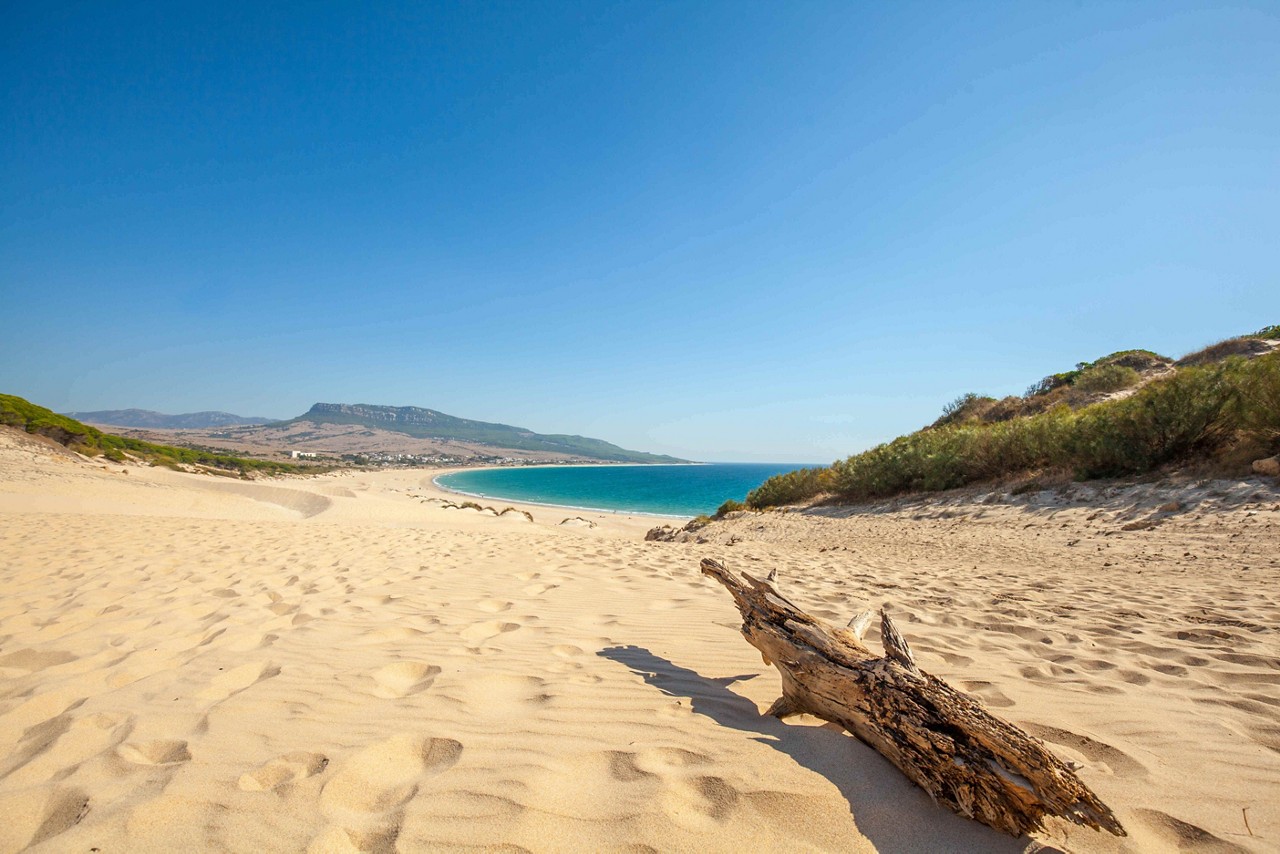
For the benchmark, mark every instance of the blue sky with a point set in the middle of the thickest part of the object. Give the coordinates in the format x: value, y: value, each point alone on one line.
x: 730, y: 231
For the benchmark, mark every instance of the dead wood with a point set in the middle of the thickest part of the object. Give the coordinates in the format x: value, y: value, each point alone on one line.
x: 942, y: 739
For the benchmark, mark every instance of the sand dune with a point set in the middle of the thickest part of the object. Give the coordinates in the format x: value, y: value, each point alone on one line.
x: 345, y: 664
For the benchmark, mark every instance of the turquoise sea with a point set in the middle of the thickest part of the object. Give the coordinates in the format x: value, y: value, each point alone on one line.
x: 686, y: 490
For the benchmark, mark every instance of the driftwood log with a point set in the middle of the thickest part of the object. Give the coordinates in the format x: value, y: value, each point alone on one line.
x: 942, y: 739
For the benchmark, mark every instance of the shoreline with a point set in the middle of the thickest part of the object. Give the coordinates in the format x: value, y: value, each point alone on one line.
x: 435, y: 480
x: 531, y: 503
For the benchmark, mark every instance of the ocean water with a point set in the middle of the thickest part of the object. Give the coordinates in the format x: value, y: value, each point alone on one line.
x: 659, y: 490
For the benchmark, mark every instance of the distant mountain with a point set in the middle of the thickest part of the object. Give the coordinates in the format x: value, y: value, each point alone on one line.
x: 146, y: 419
x: 428, y: 423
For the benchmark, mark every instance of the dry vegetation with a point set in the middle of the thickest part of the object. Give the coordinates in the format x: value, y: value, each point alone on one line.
x: 92, y: 442
x: 1219, y: 406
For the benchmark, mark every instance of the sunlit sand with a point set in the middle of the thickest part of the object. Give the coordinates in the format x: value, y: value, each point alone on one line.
x: 347, y: 663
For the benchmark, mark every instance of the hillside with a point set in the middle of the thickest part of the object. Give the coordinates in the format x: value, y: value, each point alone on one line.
x: 36, y: 420
x: 428, y: 423
x: 1128, y: 413
x: 146, y: 419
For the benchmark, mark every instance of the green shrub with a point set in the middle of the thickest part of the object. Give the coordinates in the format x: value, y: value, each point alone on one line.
x: 1051, y: 382
x: 789, y: 488
x: 1004, y: 409
x: 728, y: 507
x: 1260, y: 400
x: 966, y: 407
x: 1105, y: 379
x: 1195, y: 413
x: 1139, y: 360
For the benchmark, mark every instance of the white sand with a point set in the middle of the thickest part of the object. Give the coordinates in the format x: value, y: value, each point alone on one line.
x: 336, y: 664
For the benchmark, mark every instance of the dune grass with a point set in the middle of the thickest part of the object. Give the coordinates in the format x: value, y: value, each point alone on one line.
x: 90, y: 441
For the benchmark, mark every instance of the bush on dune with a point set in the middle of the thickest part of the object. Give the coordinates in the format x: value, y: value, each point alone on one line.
x: 1196, y: 413
x: 1260, y: 401
x: 730, y: 506
x: 1246, y: 345
x: 90, y: 441
x: 789, y: 488
x: 966, y: 407
x: 1106, y: 378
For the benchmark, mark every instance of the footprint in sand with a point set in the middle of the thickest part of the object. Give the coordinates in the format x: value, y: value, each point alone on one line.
x: 384, y: 775
x: 701, y: 803
x: 404, y: 678
x: 282, y: 770
x: 35, y: 814
x: 364, y: 799
x: 162, y: 752
x: 1179, y: 835
x: 237, y: 679
x: 31, y: 660
x: 391, y: 634
x: 71, y: 744
x: 624, y: 768
x: 480, y: 632
x: 494, y: 606
x: 253, y: 641
x: 664, y: 760
x: 954, y: 659
x: 503, y: 695
x: 989, y: 694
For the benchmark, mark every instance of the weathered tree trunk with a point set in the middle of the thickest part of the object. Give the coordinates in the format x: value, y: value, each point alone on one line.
x: 945, y: 741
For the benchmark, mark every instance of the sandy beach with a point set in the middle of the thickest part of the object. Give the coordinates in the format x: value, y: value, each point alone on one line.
x: 347, y: 663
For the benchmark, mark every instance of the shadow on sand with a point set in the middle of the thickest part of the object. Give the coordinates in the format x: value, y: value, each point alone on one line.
x: 890, y: 810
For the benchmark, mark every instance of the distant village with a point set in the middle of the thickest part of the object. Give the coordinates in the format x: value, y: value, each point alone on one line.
x: 386, y: 458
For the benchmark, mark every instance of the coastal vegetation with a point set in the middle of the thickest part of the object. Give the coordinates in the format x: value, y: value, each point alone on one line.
x: 90, y: 441
x: 730, y: 506
x: 1125, y: 414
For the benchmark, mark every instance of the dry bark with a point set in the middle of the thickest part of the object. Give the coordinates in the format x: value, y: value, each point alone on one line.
x: 942, y: 739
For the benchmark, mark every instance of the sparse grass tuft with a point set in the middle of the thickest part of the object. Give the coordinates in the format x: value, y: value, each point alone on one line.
x: 509, y: 509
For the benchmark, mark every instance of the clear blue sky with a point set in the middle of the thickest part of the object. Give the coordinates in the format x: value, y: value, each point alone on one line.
x: 726, y: 231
